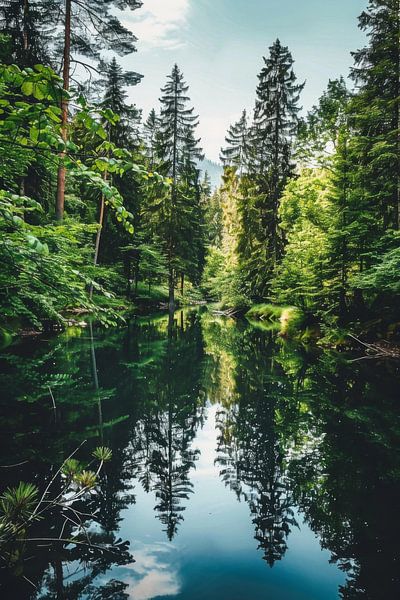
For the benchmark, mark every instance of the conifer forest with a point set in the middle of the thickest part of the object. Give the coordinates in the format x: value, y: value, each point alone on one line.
x: 199, y: 347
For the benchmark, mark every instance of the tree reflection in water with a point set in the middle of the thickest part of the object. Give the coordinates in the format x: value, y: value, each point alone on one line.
x: 297, y: 434
x: 319, y: 434
x: 164, y: 438
x: 250, y: 449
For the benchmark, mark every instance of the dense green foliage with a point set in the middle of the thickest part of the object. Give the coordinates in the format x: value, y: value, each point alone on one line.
x: 307, y: 213
x: 102, y: 209
x: 313, y: 203
x: 92, y: 204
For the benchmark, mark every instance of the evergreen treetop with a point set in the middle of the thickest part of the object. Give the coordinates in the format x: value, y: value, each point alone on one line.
x: 236, y: 149
x: 176, y: 120
x: 276, y: 110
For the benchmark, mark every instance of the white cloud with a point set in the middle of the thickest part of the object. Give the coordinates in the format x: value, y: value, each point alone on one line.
x: 158, y: 23
x: 153, y: 574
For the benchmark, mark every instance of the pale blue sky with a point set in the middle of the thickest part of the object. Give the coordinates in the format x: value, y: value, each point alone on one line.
x: 219, y: 45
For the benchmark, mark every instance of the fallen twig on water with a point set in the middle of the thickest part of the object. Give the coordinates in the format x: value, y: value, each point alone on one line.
x: 377, y: 350
x: 230, y: 312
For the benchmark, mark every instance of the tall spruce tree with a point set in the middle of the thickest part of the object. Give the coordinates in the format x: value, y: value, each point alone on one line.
x: 274, y: 129
x: 114, y: 83
x: 376, y: 110
x: 193, y: 232
x: 178, y: 151
x: 234, y: 154
x: 270, y: 166
x: 151, y: 135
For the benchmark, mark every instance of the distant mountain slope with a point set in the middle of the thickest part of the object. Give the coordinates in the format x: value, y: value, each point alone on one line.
x: 214, y: 170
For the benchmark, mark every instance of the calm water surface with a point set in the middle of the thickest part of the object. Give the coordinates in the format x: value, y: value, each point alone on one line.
x: 243, y: 468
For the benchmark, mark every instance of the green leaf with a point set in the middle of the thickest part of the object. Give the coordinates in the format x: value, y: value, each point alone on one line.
x: 27, y: 88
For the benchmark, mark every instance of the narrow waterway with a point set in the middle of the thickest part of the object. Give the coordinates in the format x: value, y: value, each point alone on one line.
x: 243, y: 467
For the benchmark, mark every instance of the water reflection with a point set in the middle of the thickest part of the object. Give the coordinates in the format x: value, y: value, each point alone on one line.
x: 153, y: 574
x: 162, y: 440
x: 293, y: 436
x: 254, y: 432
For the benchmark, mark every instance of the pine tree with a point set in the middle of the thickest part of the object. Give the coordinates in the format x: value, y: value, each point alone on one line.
x: 236, y: 150
x: 125, y: 132
x: 376, y: 110
x: 319, y: 132
x: 87, y: 29
x: 193, y: 231
x: 178, y: 151
x: 273, y: 132
x: 26, y: 22
x: 269, y: 166
x: 176, y: 120
x: 206, y: 185
x: 151, y: 135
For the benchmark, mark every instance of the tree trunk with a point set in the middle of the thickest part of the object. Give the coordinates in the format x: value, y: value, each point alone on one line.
x: 344, y: 249
x: 25, y: 28
x: 25, y: 38
x: 59, y: 578
x: 128, y: 276
x: 182, y: 283
x: 171, y: 324
x: 397, y: 219
x: 64, y: 112
x: 96, y: 382
x: 276, y: 185
x: 98, y: 235
x: 171, y: 288
x: 136, y: 282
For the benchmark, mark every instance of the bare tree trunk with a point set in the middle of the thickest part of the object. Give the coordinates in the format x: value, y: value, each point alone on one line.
x: 25, y: 29
x: 25, y: 38
x: 64, y: 112
x: 98, y: 235
x: 100, y: 229
x: 276, y: 184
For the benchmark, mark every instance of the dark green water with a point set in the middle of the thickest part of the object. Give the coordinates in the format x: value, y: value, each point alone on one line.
x: 242, y: 469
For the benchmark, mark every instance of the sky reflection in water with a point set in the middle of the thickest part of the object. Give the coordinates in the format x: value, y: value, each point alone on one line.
x: 243, y: 467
